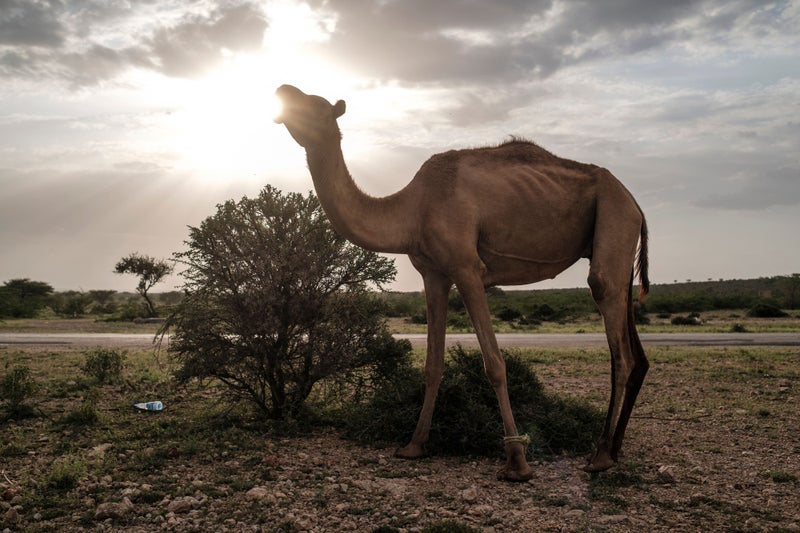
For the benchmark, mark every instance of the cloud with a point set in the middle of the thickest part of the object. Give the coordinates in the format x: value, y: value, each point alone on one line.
x: 30, y: 23
x: 442, y: 43
x: 84, y: 47
x: 778, y: 187
x: 197, y: 43
x: 461, y: 41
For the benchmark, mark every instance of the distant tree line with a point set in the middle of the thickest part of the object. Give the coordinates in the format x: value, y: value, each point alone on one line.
x: 529, y: 307
x: 24, y: 298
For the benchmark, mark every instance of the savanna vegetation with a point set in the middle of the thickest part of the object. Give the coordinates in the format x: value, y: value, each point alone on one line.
x: 712, y: 446
x: 720, y: 305
x: 278, y: 344
x: 23, y: 298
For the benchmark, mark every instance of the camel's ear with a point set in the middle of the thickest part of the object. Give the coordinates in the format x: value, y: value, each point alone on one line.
x: 338, y: 109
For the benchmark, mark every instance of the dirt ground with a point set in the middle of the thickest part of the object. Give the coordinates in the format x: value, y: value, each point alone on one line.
x: 713, y: 446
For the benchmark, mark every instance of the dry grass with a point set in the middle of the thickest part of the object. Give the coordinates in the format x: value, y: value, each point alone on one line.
x: 713, y: 446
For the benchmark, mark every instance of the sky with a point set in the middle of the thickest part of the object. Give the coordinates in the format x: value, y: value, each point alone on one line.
x: 122, y: 123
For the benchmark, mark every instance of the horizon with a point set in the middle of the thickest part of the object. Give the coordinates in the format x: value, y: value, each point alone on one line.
x: 505, y: 288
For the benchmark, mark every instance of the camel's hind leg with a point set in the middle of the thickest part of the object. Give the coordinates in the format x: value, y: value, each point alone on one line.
x: 612, y: 292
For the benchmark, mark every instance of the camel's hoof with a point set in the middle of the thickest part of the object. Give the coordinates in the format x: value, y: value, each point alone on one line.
x: 410, y: 451
x: 599, y: 462
x: 519, y: 475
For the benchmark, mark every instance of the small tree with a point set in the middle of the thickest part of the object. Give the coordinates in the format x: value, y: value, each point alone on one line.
x: 103, y: 301
x: 276, y: 301
x: 23, y: 298
x: 150, y: 272
x: 70, y: 304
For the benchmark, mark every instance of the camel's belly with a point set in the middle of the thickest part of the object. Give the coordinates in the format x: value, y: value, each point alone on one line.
x: 504, y: 269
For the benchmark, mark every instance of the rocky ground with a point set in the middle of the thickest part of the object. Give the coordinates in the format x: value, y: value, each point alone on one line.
x: 713, y: 447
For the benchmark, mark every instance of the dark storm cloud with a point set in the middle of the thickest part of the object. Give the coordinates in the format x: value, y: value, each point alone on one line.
x: 37, y: 43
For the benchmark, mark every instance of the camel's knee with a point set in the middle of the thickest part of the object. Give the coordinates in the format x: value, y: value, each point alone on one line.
x: 597, y: 285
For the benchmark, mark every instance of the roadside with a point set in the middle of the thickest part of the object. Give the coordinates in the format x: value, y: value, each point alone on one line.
x: 709, y: 322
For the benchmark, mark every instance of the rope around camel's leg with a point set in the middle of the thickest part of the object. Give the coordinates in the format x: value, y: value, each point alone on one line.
x: 517, y: 468
x: 525, y: 440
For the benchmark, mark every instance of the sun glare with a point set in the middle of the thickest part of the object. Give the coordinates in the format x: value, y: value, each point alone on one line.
x: 275, y: 107
x: 225, y: 119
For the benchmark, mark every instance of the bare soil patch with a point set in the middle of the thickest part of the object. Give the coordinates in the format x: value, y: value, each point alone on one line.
x: 713, y: 446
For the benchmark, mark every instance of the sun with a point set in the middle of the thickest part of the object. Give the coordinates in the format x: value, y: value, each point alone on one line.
x: 225, y: 119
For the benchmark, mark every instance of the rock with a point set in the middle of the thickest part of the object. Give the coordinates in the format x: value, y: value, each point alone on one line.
x: 470, y: 494
x: 11, y: 516
x: 575, y: 514
x: 182, y: 505
x: 395, y: 487
x: 610, y: 519
x: 113, y: 510
x: 260, y: 493
x: 99, y: 451
x: 364, y: 484
x: 481, y: 510
x: 9, y: 494
x: 666, y: 474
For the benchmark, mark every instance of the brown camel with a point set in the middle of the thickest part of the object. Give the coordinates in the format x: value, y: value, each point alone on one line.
x: 505, y: 215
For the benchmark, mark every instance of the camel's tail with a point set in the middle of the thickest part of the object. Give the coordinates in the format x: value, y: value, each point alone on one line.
x: 642, y: 262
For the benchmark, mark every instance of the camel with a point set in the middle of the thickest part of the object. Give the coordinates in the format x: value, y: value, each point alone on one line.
x: 504, y: 215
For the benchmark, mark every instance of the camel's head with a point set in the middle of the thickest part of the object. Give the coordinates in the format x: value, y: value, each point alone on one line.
x: 310, y: 119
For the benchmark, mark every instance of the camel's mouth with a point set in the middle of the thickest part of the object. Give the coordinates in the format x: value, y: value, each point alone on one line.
x: 276, y: 109
x: 285, y: 96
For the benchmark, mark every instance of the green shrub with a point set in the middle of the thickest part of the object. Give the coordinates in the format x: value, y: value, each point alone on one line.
x: 105, y: 365
x: 16, y: 389
x: 509, y: 314
x: 738, y: 328
x: 65, y: 473
x: 86, y: 413
x: 640, y: 314
x: 763, y: 310
x: 458, y: 321
x: 281, y: 307
x: 467, y: 417
x: 779, y: 476
x: 686, y: 321
x: 420, y: 316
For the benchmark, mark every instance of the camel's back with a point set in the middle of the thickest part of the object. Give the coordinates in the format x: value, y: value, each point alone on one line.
x: 520, y: 198
x: 526, y: 153
x: 515, y: 171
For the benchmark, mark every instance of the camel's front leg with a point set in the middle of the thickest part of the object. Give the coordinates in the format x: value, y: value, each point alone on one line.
x: 437, y: 290
x: 470, y: 286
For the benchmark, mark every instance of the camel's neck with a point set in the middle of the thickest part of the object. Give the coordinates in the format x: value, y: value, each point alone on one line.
x: 377, y: 224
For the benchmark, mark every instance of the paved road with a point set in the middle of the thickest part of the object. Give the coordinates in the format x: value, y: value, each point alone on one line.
x: 534, y: 340
x: 509, y: 340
